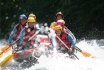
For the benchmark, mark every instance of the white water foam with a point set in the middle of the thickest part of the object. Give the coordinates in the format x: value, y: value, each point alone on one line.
x: 60, y: 63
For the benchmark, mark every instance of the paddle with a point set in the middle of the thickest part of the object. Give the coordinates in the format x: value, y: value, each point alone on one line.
x: 6, y: 48
x: 6, y: 60
x: 86, y: 54
x: 10, y: 57
x: 67, y: 47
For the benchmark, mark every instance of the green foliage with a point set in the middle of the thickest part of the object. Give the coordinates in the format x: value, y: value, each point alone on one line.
x: 81, y: 16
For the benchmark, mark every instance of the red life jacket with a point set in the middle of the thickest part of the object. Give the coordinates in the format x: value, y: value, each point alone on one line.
x: 64, y: 38
x: 19, y: 27
x: 29, y: 33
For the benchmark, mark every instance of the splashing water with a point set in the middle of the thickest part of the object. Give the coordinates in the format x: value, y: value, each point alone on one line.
x: 94, y: 47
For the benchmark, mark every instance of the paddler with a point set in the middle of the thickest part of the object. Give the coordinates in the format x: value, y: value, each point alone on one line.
x: 17, y: 29
x: 28, y: 32
x: 66, y: 38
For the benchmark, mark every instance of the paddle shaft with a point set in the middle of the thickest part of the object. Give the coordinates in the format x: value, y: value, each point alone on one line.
x: 63, y: 43
x: 67, y: 47
x: 10, y: 57
x: 83, y: 52
x: 6, y: 48
x: 68, y: 31
x: 34, y: 35
x: 28, y: 40
x: 78, y: 49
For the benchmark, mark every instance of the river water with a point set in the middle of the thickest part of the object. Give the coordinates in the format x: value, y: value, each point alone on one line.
x: 94, y: 47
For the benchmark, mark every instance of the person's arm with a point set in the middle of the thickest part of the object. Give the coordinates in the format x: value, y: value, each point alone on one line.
x: 12, y: 34
x: 53, y: 24
x: 71, y: 39
x: 22, y: 33
x: 37, y: 28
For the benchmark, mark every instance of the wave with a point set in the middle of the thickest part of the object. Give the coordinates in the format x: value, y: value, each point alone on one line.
x: 94, y: 47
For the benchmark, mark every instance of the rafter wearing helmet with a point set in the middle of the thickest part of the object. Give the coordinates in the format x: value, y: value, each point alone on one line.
x: 59, y: 15
x: 59, y: 20
x: 17, y: 29
x: 28, y: 31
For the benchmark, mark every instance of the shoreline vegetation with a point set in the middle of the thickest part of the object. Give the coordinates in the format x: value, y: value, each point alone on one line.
x: 84, y: 18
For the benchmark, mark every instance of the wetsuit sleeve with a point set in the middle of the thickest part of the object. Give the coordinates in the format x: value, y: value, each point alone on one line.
x: 37, y: 29
x: 22, y: 33
x: 71, y: 39
x: 12, y: 34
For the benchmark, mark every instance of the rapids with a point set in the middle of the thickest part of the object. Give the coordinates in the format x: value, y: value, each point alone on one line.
x: 94, y: 47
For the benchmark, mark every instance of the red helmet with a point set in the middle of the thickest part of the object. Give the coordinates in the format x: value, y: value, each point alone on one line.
x: 59, y: 13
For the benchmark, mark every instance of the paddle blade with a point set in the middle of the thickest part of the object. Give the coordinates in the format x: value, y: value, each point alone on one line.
x: 6, y: 60
x: 6, y: 48
x: 86, y: 54
x: 93, y: 57
x: 1, y: 54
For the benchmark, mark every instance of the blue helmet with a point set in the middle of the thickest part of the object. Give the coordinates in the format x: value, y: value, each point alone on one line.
x: 22, y: 16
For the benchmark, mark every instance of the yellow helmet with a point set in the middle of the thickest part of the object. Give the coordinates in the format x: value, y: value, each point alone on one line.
x: 53, y: 24
x: 58, y: 27
x: 32, y: 15
x: 31, y: 19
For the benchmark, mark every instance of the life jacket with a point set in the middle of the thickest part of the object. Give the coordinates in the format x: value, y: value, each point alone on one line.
x: 64, y: 38
x: 67, y: 31
x: 29, y: 33
x: 19, y: 27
